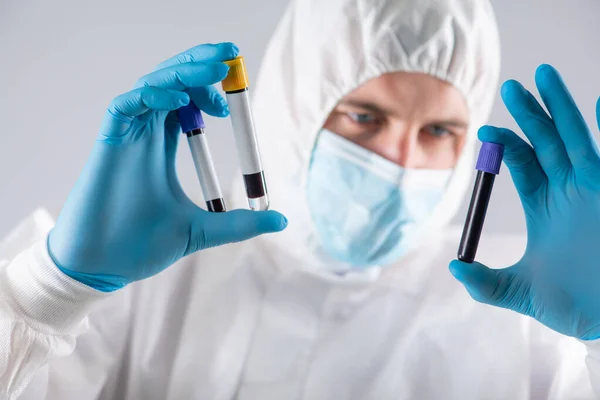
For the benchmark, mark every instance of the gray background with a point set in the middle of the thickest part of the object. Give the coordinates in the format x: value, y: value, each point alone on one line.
x: 62, y: 61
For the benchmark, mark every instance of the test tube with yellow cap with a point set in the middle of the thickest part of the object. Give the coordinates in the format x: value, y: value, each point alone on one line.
x: 236, y: 87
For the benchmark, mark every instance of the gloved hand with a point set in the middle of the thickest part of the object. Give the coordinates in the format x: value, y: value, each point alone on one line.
x: 127, y: 218
x: 557, y: 281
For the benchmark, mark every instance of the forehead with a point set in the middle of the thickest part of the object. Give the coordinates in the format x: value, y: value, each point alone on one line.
x: 402, y: 93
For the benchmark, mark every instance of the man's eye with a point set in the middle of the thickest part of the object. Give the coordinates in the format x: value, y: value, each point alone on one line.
x: 362, y: 118
x: 437, y: 131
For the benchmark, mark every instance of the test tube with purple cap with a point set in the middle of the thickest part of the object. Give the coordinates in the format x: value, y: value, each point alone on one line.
x: 192, y: 124
x: 488, y: 166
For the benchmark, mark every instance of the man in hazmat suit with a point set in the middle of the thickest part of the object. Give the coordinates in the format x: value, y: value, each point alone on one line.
x: 367, y: 113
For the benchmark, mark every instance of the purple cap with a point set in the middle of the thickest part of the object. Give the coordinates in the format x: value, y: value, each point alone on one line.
x: 190, y: 118
x: 490, y: 157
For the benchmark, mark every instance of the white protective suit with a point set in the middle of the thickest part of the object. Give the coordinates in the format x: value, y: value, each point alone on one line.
x: 263, y: 319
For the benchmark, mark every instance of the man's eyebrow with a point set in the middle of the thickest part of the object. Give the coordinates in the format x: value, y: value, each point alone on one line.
x: 365, y: 105
x: 456, y: 123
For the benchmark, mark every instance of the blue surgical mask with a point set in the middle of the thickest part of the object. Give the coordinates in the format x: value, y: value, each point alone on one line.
x: 368, y: 211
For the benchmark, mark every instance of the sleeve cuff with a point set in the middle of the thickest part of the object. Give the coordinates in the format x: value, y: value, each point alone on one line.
x: 593, y: 362
x: 41, y: 294
x: 593, y: 347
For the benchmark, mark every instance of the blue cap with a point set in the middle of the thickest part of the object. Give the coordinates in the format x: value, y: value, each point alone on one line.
x: 490, y: 157
x: 190, y: 118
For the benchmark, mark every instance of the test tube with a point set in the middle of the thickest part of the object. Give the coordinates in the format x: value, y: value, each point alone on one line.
x: 236, y: 87
x: 192, y: 125
x: 488, y: 166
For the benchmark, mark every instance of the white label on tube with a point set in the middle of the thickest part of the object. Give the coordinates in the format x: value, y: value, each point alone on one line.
x: 243, y: 131
x: 204, y: 167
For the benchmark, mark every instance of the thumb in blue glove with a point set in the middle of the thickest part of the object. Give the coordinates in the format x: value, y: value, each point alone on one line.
x: 557, y: 178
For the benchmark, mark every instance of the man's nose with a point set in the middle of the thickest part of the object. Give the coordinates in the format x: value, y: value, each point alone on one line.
x: 400, y: 147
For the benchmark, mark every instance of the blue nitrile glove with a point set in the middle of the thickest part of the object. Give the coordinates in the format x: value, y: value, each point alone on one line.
x: 127, y: 218
x: 557, y: 281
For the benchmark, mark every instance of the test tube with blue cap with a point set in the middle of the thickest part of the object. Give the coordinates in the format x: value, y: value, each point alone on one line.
x: 192, y: 124
x: 488, y: 166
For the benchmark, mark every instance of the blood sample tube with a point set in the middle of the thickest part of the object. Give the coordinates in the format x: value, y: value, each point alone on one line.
x: 488, y: 166
x: 192, y: 125
x: 236, y: 87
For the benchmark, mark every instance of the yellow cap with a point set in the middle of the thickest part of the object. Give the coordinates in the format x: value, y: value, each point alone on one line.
x: 237, y: 77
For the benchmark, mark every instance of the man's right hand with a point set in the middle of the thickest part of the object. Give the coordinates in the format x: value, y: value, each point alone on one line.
x: 127, y: 218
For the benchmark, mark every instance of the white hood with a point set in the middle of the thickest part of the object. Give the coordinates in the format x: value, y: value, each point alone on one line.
x: 324, y: 49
